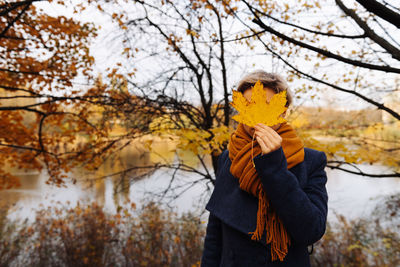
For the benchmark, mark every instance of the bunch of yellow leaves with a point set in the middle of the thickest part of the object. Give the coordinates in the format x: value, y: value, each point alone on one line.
x: 188, y: 136
x: 259, y: 110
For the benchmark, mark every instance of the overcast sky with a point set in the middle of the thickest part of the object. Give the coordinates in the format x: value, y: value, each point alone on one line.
x: 106, y: 50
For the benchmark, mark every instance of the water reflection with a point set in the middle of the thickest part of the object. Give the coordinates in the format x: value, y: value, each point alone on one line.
x: 108, y: 186
x: 349, y: 194
x: 356, y: 196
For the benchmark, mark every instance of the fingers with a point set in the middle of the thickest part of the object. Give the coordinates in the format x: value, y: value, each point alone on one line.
x: 269, y: 142
x: 263, y: 131
x: 269, y: 132
x: 267, y: 137
x: 264, y: 147
x: 261, y: 126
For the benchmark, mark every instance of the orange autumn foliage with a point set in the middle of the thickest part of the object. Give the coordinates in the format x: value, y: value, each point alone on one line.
x: 47, y: 120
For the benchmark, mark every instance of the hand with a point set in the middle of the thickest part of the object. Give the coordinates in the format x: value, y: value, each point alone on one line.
x: 268, y: 139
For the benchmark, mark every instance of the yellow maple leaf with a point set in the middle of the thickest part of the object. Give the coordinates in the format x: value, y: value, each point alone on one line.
x: 259, y: 110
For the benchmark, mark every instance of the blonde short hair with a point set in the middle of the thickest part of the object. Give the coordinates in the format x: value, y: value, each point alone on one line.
x: 273, y: 81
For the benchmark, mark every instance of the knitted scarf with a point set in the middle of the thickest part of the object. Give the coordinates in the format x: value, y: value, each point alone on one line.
x: 240, y: 147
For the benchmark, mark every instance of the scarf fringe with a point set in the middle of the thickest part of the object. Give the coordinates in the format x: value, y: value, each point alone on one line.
x: 280, y: 240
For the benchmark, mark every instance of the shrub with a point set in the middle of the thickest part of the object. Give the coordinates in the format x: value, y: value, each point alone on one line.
x: 12, y: 239
x: 372, y: 241
x: 87, y: 236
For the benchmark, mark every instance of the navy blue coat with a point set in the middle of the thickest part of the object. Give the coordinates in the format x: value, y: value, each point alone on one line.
x: 298, y: 196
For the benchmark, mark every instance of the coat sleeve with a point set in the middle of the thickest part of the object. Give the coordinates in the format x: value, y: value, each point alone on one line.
x: 303, y: 211
x: 213, y: 239
x: 212, y: 243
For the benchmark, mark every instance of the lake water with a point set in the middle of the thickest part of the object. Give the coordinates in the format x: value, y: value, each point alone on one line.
x: 349, y: 194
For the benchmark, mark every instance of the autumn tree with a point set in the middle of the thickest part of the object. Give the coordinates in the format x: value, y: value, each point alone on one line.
x: 179, y: 48
x: 49, y: 118
x: 350, y: 48
x: 187, y: 51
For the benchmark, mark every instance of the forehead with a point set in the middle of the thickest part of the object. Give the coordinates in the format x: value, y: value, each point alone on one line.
x: 269, y: 91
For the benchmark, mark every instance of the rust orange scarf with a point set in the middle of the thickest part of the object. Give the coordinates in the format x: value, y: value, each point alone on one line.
x: 240, y: 152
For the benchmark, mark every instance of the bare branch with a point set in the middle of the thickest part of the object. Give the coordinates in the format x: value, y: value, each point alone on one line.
x: 257, y: 20
x: 395, y: 52
x: 361, y: 173
x: 382, y: 11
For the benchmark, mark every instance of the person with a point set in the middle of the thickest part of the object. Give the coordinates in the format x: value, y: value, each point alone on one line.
x: 266, y: 210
